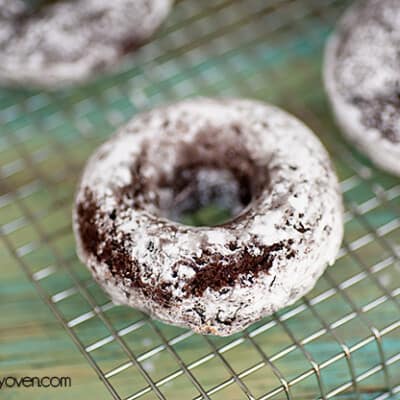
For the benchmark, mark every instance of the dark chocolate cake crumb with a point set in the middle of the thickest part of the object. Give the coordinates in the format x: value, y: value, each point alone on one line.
x: 266, y: 167
x: 382, y: 113
x: 218, y: 272
x: 105, y: 246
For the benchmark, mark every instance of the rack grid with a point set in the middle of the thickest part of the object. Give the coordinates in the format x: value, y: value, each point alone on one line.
x: 341, y: 341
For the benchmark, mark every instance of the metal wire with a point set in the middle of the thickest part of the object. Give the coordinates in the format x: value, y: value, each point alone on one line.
x: 264, y: 49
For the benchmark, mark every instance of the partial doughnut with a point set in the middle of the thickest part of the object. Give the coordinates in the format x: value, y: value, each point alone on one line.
x: 53, y: 43
x: 362, y: 79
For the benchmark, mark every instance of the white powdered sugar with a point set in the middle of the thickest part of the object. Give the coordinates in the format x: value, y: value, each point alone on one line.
x: 67, y: 41
x: 293, y: 228
x: 362, y: 78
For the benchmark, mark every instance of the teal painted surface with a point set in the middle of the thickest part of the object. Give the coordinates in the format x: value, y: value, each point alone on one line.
x: 45, y: 139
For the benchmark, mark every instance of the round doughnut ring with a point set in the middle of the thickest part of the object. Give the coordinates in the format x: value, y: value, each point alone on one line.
x: 51, y: 43
x: 257, y: 160
x: 362, y: 79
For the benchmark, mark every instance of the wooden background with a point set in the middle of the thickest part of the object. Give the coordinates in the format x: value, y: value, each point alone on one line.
x: 266, y: 50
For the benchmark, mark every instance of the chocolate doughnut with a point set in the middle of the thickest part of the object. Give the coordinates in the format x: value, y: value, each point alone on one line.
x: 362, y: 79
x: 262, y: 163
x: 51, y: 43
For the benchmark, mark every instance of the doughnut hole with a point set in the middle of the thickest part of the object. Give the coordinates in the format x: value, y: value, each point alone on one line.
x: 207, y: 196
x: 212, y: 182
x: 35, y: 6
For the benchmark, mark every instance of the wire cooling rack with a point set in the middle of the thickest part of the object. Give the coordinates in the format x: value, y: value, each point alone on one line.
x: 342, y: 341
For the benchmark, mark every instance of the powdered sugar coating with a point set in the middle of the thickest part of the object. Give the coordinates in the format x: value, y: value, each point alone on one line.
x: 66, y: 42
x: 294, y: 227
x: 362, y: 78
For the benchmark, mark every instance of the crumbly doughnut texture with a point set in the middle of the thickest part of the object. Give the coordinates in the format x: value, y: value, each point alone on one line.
x: 214, y: 280
x: 362, y: 78
x: 62, y: 42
